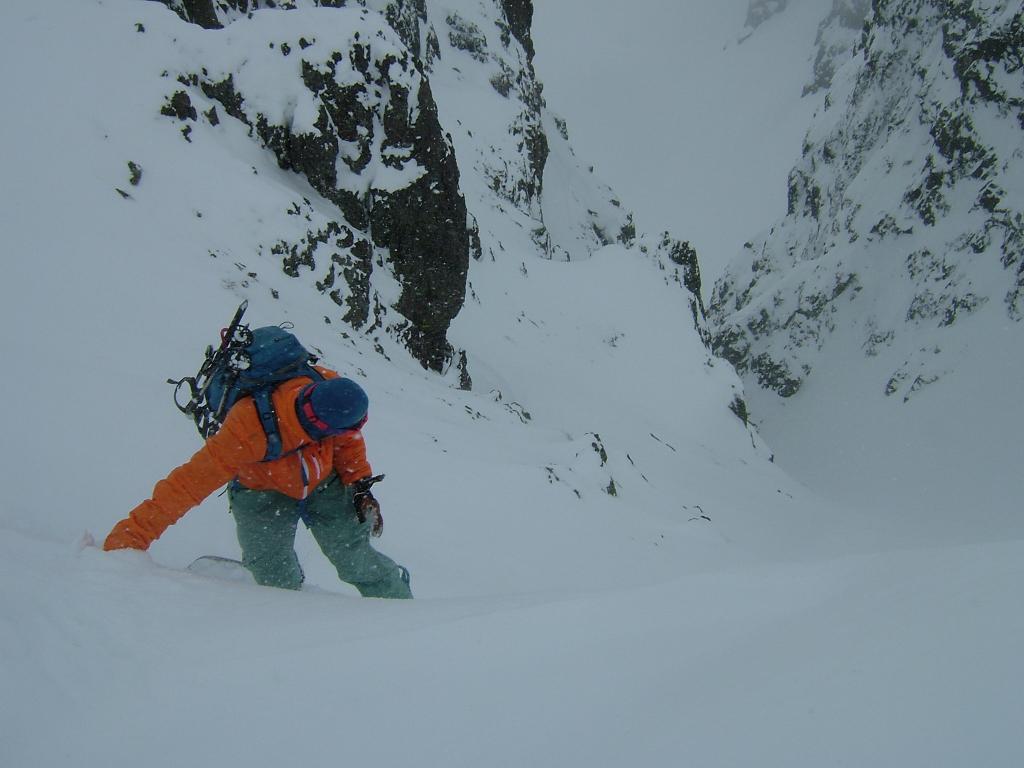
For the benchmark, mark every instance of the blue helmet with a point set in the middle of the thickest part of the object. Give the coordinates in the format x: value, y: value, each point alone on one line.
x: 331, y: 407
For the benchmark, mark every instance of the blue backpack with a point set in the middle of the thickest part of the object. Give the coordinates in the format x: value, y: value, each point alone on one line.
x: 247, y: 363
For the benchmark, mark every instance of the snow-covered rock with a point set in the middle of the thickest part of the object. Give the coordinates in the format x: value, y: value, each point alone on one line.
x: 519, y: 171
x: 399, y: 113
x: 906, y: 212
x: 339, y: 97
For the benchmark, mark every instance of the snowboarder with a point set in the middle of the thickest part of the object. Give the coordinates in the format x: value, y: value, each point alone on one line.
x: 322, y: 478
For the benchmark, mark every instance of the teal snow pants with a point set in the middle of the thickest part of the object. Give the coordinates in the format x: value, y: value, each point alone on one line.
x: 266, y: 522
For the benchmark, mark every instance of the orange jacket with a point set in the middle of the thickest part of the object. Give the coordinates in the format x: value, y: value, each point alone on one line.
x: 236, y: 452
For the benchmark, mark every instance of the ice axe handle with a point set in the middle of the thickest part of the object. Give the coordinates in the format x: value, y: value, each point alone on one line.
x: 364, y: 485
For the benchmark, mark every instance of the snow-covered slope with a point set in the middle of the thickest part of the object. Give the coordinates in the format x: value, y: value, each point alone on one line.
x: 886, y: 303
x: 131, y: 287
x: 888, y: 660
x: 608, y: 568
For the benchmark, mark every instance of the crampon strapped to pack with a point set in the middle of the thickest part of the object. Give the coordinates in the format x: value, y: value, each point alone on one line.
x: 248, y: 362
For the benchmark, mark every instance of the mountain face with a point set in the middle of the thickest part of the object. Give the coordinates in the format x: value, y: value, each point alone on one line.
x: 905, y: 213
x: 837, y: 35
x: 357, y: 118
x: 414, y: 110
x: 517, y: 163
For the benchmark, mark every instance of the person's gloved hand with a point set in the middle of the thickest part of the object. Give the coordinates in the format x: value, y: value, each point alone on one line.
x: 125, y: 535
x: 368, y: 508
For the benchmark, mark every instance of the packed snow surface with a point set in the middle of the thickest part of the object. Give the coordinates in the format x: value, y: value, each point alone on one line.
x: 712, y: 612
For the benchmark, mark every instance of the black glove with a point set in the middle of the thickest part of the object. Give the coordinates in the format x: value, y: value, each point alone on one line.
x: 367, y: 507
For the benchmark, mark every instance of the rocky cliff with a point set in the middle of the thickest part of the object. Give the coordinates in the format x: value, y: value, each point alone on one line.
x: 356, y: 117
x: 519, y: 170
x: 905, y: 213
x: 424, y: 129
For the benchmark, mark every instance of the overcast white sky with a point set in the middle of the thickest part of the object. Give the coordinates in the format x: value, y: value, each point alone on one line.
x: 696, y: 132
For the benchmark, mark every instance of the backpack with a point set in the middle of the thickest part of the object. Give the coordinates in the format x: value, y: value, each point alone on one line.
x: 248, y: 362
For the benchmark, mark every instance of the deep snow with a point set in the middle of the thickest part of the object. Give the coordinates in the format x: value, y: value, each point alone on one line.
x: 715, y: 612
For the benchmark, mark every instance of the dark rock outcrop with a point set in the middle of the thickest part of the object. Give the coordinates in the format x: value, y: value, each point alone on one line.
x: 375, y: 149
x: 683, y: 257
x: 519, y: 15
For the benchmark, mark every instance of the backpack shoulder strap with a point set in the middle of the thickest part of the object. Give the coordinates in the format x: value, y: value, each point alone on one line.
x: 268, y: 420
x: 264, y: 401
